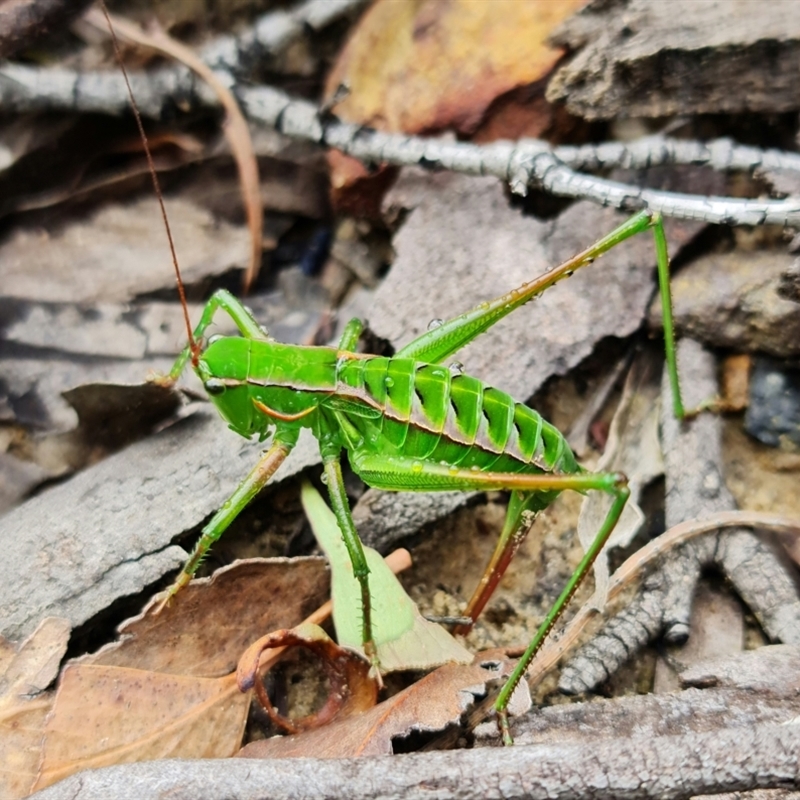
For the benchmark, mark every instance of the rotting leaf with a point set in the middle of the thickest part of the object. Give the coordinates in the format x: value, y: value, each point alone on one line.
x: 24, y: 675
x: 111, y: 715
x: 431, y: 704
x: 352, y: 690
x: 403, y: 637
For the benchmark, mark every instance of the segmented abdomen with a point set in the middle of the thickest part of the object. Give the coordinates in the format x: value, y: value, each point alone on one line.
x: 430, y: 413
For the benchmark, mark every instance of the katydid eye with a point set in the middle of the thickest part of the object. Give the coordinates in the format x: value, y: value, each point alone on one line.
x: 214, y: 386
x: 215, y: 338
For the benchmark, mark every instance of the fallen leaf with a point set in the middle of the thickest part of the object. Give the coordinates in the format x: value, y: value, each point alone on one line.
x: 167, y: 688
x: 208, y: 625
x: 236, y: 129
x: 112, y: 715
x: 403, y: 637
x: 351, y: 688
x: 428, y: 66
x: 24, y: 674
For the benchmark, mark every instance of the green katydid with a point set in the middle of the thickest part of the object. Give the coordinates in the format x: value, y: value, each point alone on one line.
x: 406, y: 422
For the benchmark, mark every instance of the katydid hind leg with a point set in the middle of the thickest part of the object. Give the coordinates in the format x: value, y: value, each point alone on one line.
x: 445, y: 340
x: 527, y: 489
x: 612, y: 517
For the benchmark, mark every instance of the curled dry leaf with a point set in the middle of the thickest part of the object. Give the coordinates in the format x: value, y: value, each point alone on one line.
x: 352, y: 690
x: 167, y: 688
x: 438, y: 700
x: 150, y: 695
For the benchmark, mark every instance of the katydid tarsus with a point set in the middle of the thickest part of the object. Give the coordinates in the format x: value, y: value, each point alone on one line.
x: 407, y: 423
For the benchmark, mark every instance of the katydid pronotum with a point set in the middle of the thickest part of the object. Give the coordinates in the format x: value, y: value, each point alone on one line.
x: 407, y: 423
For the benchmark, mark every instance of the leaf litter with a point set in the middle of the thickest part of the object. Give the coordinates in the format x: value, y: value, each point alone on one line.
x: 429, y: 294
x: 168, y: 687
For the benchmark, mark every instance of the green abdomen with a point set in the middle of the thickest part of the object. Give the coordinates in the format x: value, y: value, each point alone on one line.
x: 430, y: 413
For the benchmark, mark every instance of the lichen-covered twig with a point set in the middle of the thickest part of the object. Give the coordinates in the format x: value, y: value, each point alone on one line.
x: 25, y: 88
x: 523, y: 164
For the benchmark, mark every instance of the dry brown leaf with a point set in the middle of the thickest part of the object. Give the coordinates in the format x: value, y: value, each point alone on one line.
x: 426, y: 65
x: 213, y: 620
x: 151, y: 695
x: 24, y: 674
x: 107, y: 711
x: 111, y: 715
x: 434, y: 702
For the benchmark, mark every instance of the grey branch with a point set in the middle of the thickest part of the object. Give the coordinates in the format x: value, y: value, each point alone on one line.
x: 695, y: 488
x: 534, y: 163
x: 523, y: 164
x: 636, y: 768
x: 24, y: 88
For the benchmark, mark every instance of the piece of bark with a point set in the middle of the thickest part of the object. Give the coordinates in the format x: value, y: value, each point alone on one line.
x: 733, y: 300
x: 643, y: 58
x: 107, y: 533
x: 647, y: 767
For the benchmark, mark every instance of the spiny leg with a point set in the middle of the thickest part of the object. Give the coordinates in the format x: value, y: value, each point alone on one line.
x: 411, y: 474
x: 445, y: 340
x: 503, y: 699
x: 244, y: 493
x: 518, y: 521
x: 341, y: 509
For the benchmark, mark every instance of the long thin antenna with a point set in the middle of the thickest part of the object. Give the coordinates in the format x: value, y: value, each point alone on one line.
x: 193, y: 347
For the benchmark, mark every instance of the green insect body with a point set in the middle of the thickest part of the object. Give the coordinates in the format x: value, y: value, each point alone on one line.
x: 408, y: 423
